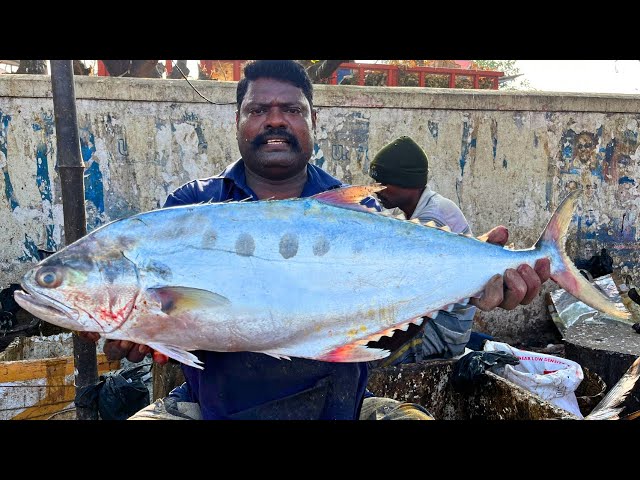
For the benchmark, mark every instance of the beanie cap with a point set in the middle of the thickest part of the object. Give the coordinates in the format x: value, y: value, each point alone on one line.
x: 401, y: 162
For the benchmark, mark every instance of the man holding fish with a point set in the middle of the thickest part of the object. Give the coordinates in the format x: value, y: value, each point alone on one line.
x: 276, y: 122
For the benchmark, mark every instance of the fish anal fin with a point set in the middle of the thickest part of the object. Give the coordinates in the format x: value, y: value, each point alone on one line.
x: 387, y: 332
x: 178, y: 354
x: 354, y: 353
x: 174, y: 299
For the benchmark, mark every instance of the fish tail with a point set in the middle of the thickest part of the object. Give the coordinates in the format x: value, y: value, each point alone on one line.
x: 563, y: 271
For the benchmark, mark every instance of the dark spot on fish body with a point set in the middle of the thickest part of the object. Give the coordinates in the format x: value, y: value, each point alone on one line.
x: 125, y: 242
x: 159, y: 269
x: 321, y: 246
x: 209, y: 239
x: 289, y: 245
x: 245, y: 245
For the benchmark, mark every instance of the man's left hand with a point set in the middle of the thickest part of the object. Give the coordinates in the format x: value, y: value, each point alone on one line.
x: 516, y: 286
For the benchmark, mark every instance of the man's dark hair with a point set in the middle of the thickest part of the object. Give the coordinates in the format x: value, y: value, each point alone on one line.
x: 285, y: 70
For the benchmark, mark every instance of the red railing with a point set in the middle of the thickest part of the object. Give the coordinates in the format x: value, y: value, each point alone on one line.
x: 370, y: 74
x: 421, y: 75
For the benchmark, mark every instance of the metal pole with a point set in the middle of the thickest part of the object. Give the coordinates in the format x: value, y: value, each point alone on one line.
x: 71, y: 172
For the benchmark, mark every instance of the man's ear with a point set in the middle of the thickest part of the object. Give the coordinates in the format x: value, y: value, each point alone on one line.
x: 237, y: 117
x: 314, y: 115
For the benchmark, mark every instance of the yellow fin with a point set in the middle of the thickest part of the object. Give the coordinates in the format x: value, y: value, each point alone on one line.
x: 174, y: 299
x: 433, y: 224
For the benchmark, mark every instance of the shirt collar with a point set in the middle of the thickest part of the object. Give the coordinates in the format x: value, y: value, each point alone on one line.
x: 317, y: 179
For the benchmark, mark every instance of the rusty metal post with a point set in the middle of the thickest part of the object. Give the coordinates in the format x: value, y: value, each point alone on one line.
x: 71, y: 172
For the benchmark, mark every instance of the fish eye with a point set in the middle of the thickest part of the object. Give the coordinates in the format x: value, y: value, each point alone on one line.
x: 49, y: 277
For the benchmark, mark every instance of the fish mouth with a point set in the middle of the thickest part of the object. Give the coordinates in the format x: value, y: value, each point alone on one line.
x: 44, y: 307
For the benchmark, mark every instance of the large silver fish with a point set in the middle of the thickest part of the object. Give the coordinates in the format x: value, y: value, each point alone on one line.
x: 315, y: 277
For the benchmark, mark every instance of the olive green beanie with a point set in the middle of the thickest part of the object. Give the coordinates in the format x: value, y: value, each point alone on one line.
x: 401, y: 162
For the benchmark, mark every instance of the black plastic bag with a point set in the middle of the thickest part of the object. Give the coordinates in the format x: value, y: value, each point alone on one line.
x: 119, y: 394
x: 469, y: 369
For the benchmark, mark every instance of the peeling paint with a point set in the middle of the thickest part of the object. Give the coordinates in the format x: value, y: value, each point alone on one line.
x: 494, y: 137
x: 433, y: 129
x: 318, y: 156
x: 8, y: 188
x: 93, y: 180
x: 43, y: 180
x: 464, y: 147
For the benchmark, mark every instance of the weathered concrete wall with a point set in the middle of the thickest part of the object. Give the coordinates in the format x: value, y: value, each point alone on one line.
x: 505, y: 158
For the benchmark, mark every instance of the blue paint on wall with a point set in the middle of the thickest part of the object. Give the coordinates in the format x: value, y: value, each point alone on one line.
x: 318, y: 156
x: 44, y: 187
x: 626, y: 179
x: 464, y: 147
x: 504, y: 162
x: 93, y: 183
x: 8, y: 187
x: 45, y: 123
x: 433, y: 128
x: 631, y: 136
x: 31, y: 251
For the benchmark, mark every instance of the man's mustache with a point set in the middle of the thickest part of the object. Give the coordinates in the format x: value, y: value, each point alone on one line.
x: 276, y: 133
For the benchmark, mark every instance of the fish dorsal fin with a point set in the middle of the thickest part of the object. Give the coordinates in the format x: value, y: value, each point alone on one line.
x: 433, y: 224
x: 175, y: 299
x: 349, y: 197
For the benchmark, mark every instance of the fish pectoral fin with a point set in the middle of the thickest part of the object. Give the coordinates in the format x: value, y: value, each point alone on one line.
x: 177, y: 354
x: 354, y: 352
x: 174, y: 299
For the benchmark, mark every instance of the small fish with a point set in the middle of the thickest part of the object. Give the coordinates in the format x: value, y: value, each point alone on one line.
x: 316, y: 277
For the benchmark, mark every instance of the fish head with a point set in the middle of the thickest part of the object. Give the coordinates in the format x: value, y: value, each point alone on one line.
x: 82, y: 288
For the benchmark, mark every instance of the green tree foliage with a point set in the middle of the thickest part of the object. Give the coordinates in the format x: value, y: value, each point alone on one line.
x: 512, y: 76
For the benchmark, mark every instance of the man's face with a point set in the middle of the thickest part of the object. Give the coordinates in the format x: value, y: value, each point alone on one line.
x: 275, y: 126
x: 394, y: 196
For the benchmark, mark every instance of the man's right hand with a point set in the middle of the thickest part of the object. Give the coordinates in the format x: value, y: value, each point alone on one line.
x: 118, y: 349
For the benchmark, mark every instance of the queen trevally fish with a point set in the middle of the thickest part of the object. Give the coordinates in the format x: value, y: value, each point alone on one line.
x: 315, y: 277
